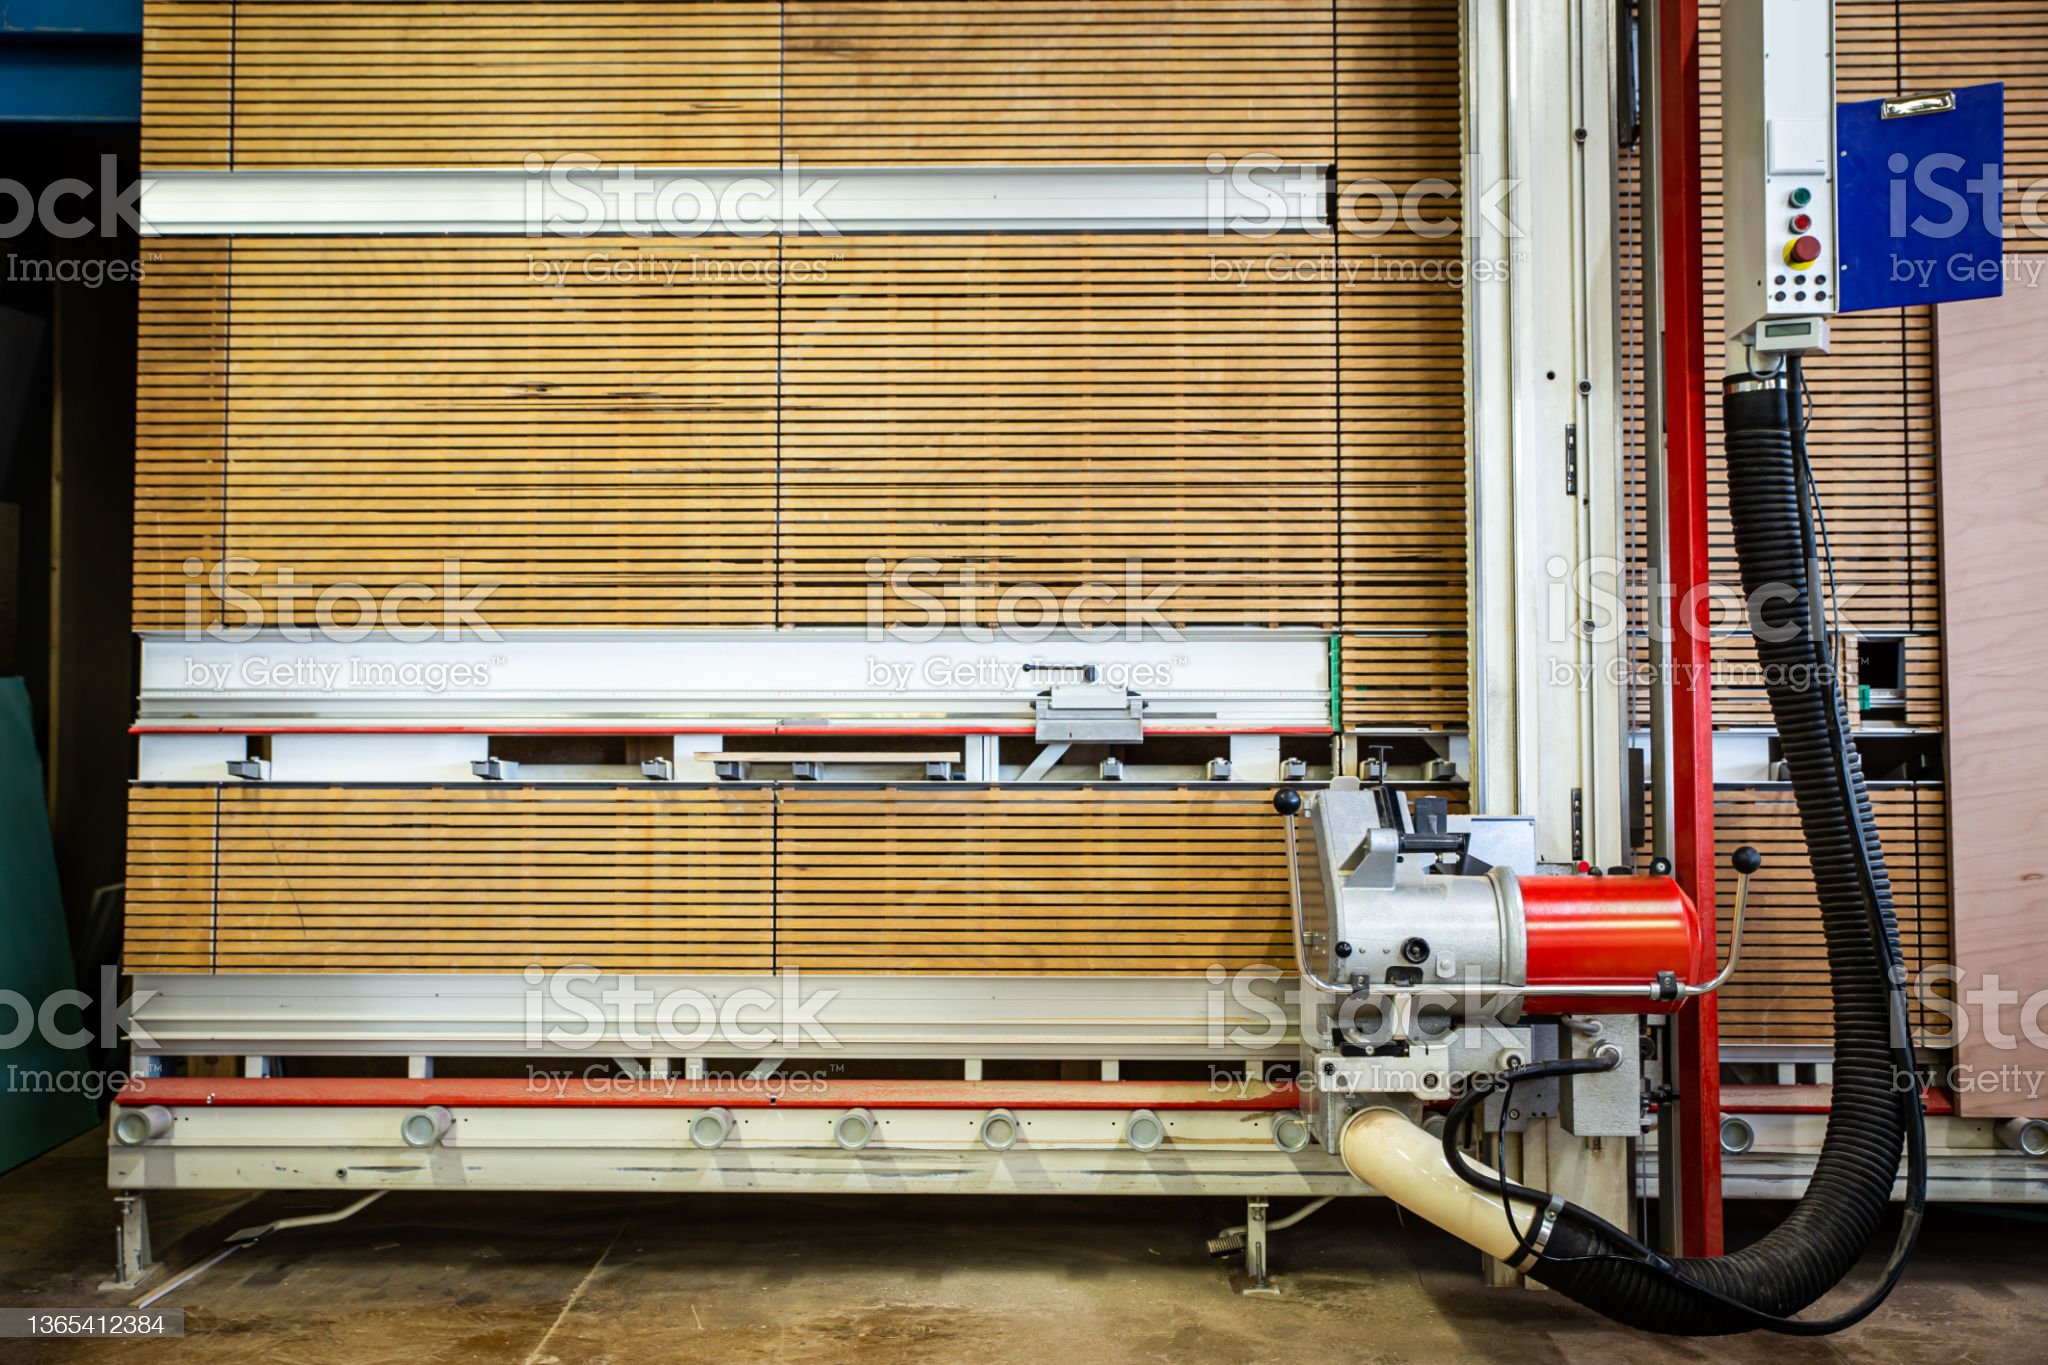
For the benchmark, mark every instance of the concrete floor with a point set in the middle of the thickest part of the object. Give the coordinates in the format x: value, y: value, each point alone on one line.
x: 552, y: 1278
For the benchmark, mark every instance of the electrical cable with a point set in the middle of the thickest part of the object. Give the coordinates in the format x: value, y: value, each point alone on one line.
x: 1820, y: 516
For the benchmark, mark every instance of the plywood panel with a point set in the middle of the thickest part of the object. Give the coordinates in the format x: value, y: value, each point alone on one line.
x: 400, y: 83
x: 1994, y: 513
x: 929, y: 82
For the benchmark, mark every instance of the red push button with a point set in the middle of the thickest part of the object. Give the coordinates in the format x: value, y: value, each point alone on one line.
x: 1804, y: 251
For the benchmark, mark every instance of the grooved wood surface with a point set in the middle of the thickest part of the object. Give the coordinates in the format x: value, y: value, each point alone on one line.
x: 411, y: 84
x: 603, y: 450
x: 933, y: 82
x: 249, y: 879
x: 1780, y: 993
x: 998, y: 881
x: 1044, y: 410
x: 1403, y: 503
x: 679, y: 879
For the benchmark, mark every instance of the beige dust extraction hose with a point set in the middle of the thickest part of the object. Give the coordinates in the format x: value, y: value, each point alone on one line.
x: 1406, y: 1164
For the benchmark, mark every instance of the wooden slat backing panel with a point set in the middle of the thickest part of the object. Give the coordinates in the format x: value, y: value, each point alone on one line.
x: 1403, y: 413
x: 1780, y: 994
x: 187, y: 87
x: 977, y: 882
x: 403, y: 83
x: 1400, y: 94
x: 1052, y: 411
x: 1944, y: 44
x: 1403, y: 516
x: 1263, y: 433
x: 448, y: 880
x: 1058, y: 411
x: 1401, y: 357
x: 1740, y: 700
x: 601, y: 448
x: 1148, y: 882
x: 180, y: 426
x: 932, y: 82
x: 1402, y: 681
x: 169, y: 903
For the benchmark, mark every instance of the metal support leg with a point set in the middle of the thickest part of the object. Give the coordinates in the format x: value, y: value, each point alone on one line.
x: 1256, y: 1266
x: 1043, y: 763
x: 132, y: 1264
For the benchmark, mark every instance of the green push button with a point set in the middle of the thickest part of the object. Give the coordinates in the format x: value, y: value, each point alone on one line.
x: 1801, y: 197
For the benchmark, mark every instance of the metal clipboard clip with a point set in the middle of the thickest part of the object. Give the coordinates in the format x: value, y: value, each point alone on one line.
x: 1907, y: 106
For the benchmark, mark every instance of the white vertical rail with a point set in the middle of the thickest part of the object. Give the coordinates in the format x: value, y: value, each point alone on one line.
x: 1601, y: 440
x: 1496, y: 740
x: 1548, y: 706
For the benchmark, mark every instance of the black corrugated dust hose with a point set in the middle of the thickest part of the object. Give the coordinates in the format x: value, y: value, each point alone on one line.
x: 1876, y: 1108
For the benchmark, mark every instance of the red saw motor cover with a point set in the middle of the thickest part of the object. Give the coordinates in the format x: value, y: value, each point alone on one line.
x: 1611, y: 930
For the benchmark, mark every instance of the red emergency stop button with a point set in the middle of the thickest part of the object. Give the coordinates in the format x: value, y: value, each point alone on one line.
x: 1802, y: 252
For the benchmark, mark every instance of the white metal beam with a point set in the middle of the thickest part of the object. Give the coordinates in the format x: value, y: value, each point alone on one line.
x: 564, y: 200
x: 483, y: 1014
x: 727, y: 682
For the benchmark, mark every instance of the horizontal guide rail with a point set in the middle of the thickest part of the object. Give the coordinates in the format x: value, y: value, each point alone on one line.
x: 616, y: 200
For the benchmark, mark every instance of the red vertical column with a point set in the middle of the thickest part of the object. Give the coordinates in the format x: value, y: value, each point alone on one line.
x: 1685, y: 455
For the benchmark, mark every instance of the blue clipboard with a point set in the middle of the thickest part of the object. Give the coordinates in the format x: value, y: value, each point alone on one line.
x: 1918, y: 199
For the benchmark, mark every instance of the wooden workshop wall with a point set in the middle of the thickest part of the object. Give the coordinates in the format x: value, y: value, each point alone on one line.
x: 1875, y: 457
x: 740, y: 432
x: 664, y: 878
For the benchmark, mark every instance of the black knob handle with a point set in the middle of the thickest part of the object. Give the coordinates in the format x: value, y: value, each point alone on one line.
x: 1746, y: 860
x: 1287, y: 801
